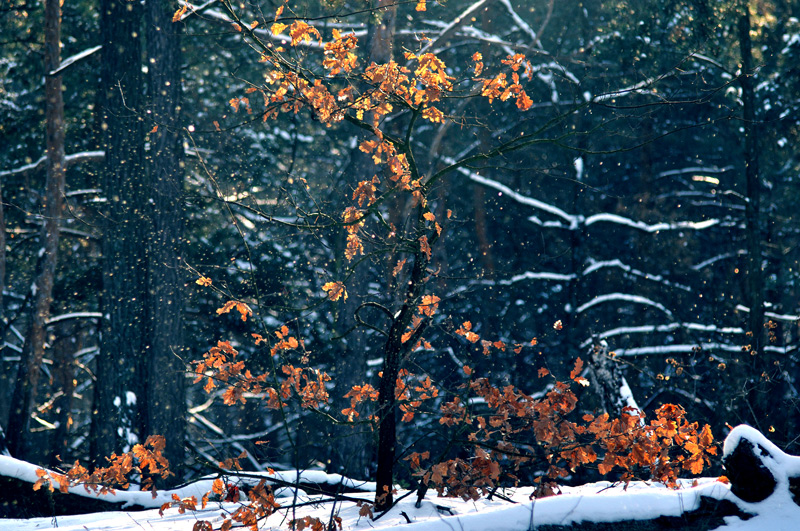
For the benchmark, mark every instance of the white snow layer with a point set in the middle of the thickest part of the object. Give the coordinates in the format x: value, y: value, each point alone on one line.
x: 595, y: 502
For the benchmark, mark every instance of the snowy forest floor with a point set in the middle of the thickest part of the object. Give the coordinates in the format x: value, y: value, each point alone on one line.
x: 757, y: 468
x: 576, y: 506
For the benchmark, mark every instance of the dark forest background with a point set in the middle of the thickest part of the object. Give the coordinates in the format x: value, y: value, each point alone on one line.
x: 656, y: 212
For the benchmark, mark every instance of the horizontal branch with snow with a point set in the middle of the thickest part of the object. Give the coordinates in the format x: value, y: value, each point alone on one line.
x: 636, y: 299
x: 69, y: 160
x: 69, y: 61
x: 687, y: 348
x: 664, y: 328
x: 617, y: 263
x: 575, y: 221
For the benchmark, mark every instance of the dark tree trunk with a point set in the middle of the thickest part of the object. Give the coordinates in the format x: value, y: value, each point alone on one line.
x: 6, y: 380
x: 68, y: 341
x: 393, y: 350
x: 352, y: 458
x: 120, y: 376
x: 2, y: 262
x: 755, y: 280
x: 166, y: 388
x: 22, y: 400
x: 765, y: 369
x: 482, y: 231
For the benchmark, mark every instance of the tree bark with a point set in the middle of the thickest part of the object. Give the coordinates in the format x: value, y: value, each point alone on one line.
x: 5, y: 379
x: 755, y: 280
x: 24, y: 395
x: 116, y: 420
x: 68, y: 341
x: 765, y: 369
x: 166, y: 387
x: 2, y: 262
x: 353, y: 457
x: 387, y: 402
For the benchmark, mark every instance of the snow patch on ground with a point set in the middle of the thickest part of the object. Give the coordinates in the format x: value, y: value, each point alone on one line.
x: 594, y: 502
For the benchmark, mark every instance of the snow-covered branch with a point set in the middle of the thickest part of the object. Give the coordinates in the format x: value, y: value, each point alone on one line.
x: 529, y: 275
x: 772, y: 315
x: 523, y: 199
x: 655, y: 227
x: 69, y: 160
x: 524, y: 26
x: 642, y: 87
x: 664, y: 328
x: 264, y: 33
x: 598, y: 265
x: 688, y: 348
x: 725, y: 256
x: 574, y: 221
x: 69, y: 61
x: 636, y: 299
x: 694, y: 170
x: 74, y: 315
x: 457, y: 22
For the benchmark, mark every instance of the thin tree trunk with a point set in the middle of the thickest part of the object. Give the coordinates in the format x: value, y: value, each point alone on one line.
x: 5, y: 379
x: 387, y: 402
x: 166, y: 388
x: 352, y: 457
x: 69, y: 341
x: 33, y: 351
x: 482, y: 231
x: 764, y: 369
x: 2, y: 262
x: 755, y: 280
x: 116, y: 421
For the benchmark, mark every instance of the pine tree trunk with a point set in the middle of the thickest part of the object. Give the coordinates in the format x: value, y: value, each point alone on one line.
x: 24, y: 395
x: 116, y: 420
x: 755, y: 280
x: 166, y: 388
x: 68, y: 341
x: 2, y: 264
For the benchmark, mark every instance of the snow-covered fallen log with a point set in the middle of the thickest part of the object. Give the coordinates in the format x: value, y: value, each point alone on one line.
x: 23, y: 475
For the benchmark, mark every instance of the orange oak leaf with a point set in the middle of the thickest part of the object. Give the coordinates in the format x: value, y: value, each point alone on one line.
x: 335, y: 290
x: 179, y: 13
x: 424, y: 246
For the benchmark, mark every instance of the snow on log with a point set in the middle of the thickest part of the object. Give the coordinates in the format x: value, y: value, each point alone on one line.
x: 756, y: 468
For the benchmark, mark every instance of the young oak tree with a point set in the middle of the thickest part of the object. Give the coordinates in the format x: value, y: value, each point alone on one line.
x: 400, y: 104
x: 391, y: 219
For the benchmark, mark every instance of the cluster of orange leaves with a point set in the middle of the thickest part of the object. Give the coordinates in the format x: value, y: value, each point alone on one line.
x: 335, y: 290
x: 426, y: 309
x: 313, y: 523
x: 291, y: 86
x: 465, y: 330
x: 411, y: 391
x: 260, y: 504
x: 145, y: 460
x: 522, y: 431
x: 243, y: 309
x: 499, y: 87
x: 353, y: 221
x: 221, y: 366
